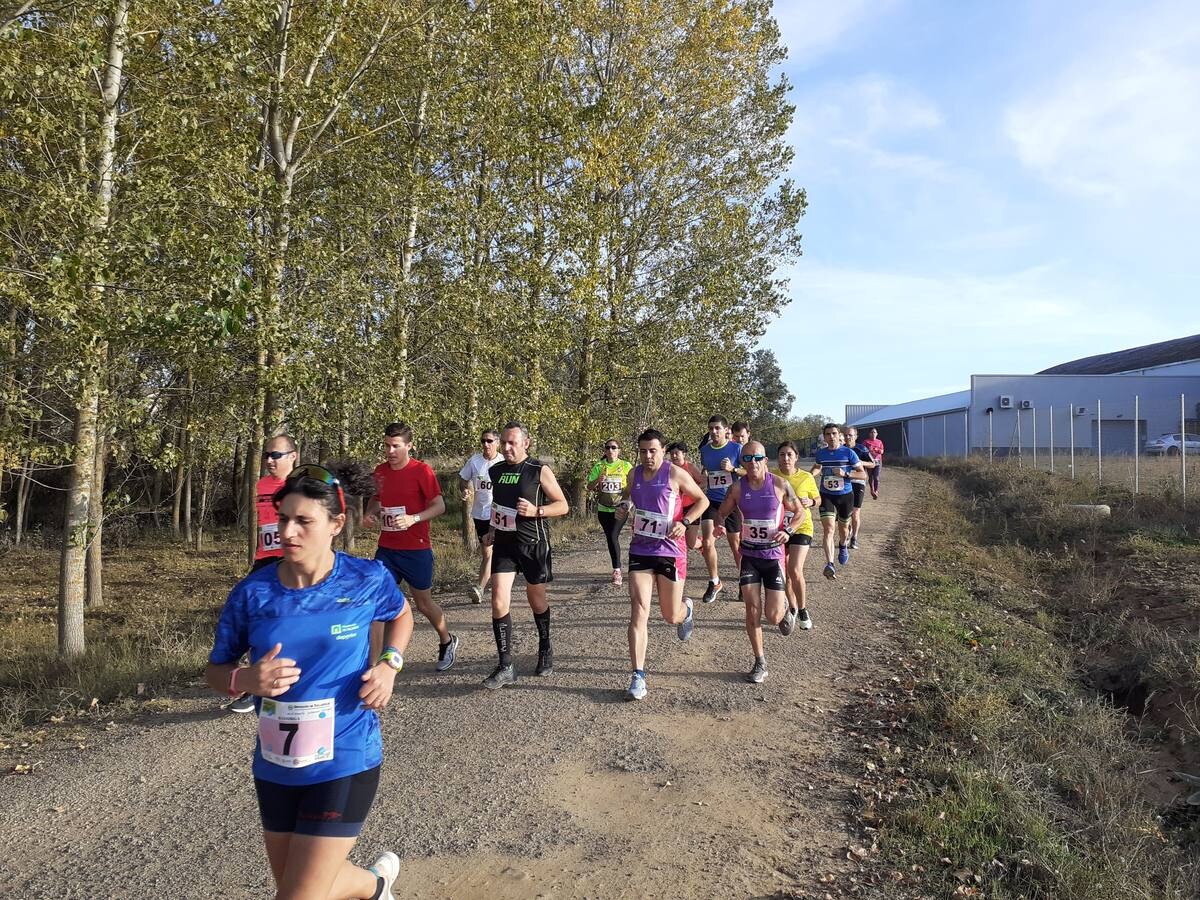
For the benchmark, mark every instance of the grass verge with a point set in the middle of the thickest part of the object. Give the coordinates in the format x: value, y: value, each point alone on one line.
x: 1033, y: 631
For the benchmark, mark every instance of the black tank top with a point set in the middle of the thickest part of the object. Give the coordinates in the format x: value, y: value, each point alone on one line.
x: 510, y: 483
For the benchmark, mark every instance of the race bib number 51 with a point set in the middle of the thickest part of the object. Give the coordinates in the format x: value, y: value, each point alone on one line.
x: 296, y: 734
x: 504, y: 518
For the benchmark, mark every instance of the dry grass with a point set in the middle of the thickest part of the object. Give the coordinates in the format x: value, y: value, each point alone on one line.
x: 155, y: 630
x: 1024, y: 770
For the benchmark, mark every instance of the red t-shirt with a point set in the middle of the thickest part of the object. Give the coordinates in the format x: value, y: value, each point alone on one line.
x: 406, y: 491
x: 875, y: 446
x: 268, y: 518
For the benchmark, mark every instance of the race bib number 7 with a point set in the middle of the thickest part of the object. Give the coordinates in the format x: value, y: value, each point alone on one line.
x: 268, y: 537
x: 296, y: 735
x: 504, y: 518
x: 717, y: 480
x: 651, y: 524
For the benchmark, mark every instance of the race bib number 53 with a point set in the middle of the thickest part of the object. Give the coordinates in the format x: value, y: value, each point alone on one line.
x: 296, y: 734
x: 833, y: 484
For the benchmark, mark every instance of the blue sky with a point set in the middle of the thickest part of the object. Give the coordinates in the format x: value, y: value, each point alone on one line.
x: 993, y: 188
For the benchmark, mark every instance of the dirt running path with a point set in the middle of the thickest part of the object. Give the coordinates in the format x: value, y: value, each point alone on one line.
x: 552, y: 788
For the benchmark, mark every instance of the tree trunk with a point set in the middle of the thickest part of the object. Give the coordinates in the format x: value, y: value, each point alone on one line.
x: 204, y: 482
x: 235, y: 478
x: 95, y: 548
x: 187, y: 498
x: 177, y: 484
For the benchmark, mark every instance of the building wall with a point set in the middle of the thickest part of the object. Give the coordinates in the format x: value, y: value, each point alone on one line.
x: 1018, y: 429
x: 943, y: 434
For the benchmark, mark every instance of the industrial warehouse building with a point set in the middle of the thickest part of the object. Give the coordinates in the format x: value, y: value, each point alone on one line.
x: 1114, y: 402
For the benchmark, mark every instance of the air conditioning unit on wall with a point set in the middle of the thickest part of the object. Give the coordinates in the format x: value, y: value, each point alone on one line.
x: 1006, y: 401
x: 1026, y: 404
x: 1081, y: 410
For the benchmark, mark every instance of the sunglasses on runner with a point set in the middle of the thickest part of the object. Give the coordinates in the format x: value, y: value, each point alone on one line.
x: 611, y: 447
x: 319, y: 473
x: 277, y: 454
x: 487, y: 440
x: 753, y: 457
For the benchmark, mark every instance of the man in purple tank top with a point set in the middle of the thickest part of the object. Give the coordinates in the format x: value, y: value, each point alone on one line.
x: 762, y: 498
x: 654, y: 493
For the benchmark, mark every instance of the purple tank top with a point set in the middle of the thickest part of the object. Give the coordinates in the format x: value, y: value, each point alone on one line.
x: 761, y: 514
x: 656, y: 509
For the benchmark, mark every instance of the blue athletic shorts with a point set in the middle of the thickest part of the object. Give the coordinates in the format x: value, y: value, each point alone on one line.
x: 413, y: 566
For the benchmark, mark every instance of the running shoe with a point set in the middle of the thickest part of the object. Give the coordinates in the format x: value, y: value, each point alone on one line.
x: 843, y: 555
x: 243, y: 704
x: 714, y: 588
x: 804, y: 621
x: 447, y: 653
x: 829, y: 571
x: 545, y: 663
x: 788, y: 622
x: 637, y: 687
x: 386, y: 867
x: 853, y: 543
x: 500, y: 677
x: 616, y: 579
x: 874, y: 495
x: 685, y: 628
x: 476, y: 594
x: 759, y: 673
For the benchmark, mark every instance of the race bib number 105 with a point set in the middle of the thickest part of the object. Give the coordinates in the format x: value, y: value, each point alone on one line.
x: 268, y: 537
x: 389, y: 517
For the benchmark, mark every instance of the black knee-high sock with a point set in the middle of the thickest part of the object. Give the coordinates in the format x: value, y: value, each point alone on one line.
x: 502, y: 630
x: 543, y: 627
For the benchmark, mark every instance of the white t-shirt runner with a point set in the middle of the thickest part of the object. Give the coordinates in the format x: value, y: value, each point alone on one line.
x: 475, y: 470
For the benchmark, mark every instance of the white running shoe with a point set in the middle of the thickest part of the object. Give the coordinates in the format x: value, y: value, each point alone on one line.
x: 387, y: 867
x: 804, y: 621
x: 476, y: 593
x: 637, y: 687
x: 687, y: 626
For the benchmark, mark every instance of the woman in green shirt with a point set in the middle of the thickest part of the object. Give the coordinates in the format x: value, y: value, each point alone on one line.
x: 607, y: 479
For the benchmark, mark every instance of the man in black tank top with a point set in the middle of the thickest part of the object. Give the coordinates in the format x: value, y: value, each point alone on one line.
x: 525, y: 494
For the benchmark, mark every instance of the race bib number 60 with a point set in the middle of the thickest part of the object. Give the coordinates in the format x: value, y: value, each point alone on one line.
x: 296, y: 734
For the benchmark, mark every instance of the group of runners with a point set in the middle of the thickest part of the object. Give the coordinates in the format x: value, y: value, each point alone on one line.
x: 311, y: 639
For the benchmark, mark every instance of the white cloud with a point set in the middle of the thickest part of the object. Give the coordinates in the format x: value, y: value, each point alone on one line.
x: 1121, y: 119
x: 812, y: 28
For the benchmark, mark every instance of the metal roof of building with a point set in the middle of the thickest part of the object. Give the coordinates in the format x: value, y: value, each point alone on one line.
x: 914, y: 409
x: 1160, y: 354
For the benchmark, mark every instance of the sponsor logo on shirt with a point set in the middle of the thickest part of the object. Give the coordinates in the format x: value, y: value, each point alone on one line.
x: 347, y: 632
x: 510, y: 477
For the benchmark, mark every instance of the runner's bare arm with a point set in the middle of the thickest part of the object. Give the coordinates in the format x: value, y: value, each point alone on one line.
x: 557, y: 505
x: 621, y: 513
x: 727, y: 506
x: 685, y: 484
x: 465, y: 486
x: 379, y: 677
x: 435, y: 508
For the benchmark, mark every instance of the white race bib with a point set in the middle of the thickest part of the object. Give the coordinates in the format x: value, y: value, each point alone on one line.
x: 268, y: 537
x: 788, y: 517
x: 759, y: 531
x: 504, y: 518
x: 483, y: 483
x: 833, y: 484
x: 651, y: 524
x: 717, y: 480
x: 389, y: 516
x: 296, y: 734
x: 611, y: 484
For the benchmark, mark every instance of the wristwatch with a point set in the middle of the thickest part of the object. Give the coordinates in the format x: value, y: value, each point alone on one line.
x: 393, y: 657
x: 687, y: 523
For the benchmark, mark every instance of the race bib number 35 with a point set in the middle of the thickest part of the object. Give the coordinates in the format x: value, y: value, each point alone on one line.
x: 389, y: 517
x: 717, y: 480
x: 504, y: 518
x: 268, y: 537
x: 651, y: 524
x: 759, y: 531
x: 296, y: 734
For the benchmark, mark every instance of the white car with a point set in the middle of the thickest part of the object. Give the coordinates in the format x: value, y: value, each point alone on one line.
x: 1169, y: 444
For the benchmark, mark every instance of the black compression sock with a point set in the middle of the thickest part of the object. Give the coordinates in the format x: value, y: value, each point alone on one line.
x: 502, y: 631
x: 543, y: 626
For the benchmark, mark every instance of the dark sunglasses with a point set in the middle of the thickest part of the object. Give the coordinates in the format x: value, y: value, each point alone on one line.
x: 753, y: 457
x: 319, y: 473
x: 611, y: 447
x: 277, y: 454
x: 487, y: 440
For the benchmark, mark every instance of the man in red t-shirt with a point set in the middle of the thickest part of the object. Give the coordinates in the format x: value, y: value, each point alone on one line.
x: 280, y: 458
x: 407, y: 496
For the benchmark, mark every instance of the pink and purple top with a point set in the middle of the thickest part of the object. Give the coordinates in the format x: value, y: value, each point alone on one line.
x: 761, y: 514
x: 656, y: 509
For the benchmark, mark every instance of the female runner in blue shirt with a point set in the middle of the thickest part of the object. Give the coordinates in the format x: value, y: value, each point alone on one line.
x: 307, y: 625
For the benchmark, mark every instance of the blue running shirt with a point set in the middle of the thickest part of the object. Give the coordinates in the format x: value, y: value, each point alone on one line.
x: 326, y: 629
x: 843, y: 456
x: 716, y: 481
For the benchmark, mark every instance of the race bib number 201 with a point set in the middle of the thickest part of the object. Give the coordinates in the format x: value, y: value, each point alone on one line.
x: 296, y: 735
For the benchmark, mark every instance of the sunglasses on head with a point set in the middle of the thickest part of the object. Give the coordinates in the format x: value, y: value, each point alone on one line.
x: 277, y: 454
x: 319, y: 473
x: 753, y: 457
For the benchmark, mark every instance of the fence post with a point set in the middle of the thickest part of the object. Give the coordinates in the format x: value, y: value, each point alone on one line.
x: 1020, y: 459
x: 1099, y: 444
x: 1071, y: 425
x: 1137, y: 445
x: 1033, y: 441
x: 1052, y: 438
x: 1183, y: 448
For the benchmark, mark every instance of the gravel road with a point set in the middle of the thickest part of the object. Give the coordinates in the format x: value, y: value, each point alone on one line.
x: 711, y: 787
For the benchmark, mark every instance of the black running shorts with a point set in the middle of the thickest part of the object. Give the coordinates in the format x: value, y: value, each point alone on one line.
x: 800, y: 540
x: 482, y: 527
x: 666, y: 566
x: 533, y: 561
x: 840, y: 505
x: 334, y: 808
x: 733, y: 521
x: 860, y: 490
x: 766, y: 572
